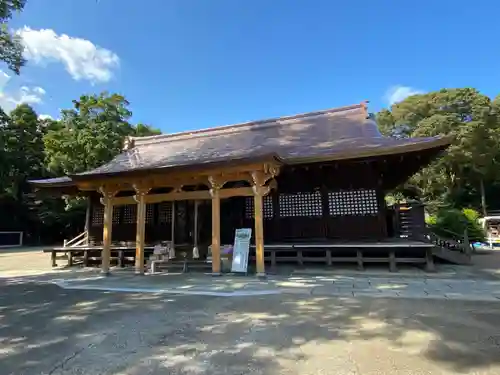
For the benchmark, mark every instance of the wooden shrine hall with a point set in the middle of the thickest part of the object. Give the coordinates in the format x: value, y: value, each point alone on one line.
x: 305, y: 181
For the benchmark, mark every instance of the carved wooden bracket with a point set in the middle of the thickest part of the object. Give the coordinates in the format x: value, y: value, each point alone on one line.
x: 108, y: 193
x: 260, y: 177
x: 215, y: 183
x: 271, y: 169
x: 140, y: 192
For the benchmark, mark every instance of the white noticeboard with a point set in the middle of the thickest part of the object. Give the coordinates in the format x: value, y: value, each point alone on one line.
x: 240, y: 250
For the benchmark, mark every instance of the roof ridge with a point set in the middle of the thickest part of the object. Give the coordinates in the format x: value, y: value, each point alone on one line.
x: 206, y: 131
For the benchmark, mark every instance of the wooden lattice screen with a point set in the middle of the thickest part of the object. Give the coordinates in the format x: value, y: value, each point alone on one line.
x: 353, y: 203
x: 301, y: 204
x: 150, y: 210
x: 116, y: 215
x: 165, y: 212
x: 267, y: 207
x: 129, y: 213
x: 98, y: 215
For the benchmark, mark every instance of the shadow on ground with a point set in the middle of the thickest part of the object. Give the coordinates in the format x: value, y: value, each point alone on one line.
x: 44, y: 329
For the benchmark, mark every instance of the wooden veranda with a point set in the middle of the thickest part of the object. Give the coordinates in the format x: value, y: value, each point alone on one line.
x: 203, y: 184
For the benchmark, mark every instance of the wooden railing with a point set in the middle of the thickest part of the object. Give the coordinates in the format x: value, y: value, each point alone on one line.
x: 409, y: 222
x: 81, y: 239
x: 452, y: 241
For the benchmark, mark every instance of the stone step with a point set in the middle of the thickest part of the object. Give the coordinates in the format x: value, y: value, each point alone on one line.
x: 184, y: 266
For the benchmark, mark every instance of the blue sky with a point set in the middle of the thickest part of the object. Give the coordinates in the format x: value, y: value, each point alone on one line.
x: 189, y: 64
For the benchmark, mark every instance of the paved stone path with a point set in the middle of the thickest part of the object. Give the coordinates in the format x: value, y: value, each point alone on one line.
x: 450, y: 283
x: 344, y: 286
x: 45, y: 329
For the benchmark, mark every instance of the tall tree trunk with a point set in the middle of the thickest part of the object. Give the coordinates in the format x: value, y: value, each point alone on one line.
x: 483, y: 195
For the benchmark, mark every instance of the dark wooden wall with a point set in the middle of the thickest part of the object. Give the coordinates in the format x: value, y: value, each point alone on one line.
x: 315, y: 202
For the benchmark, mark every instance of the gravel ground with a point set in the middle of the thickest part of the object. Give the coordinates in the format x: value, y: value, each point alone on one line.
x: 48, y: 330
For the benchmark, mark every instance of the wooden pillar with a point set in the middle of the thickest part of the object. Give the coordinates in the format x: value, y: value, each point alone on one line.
x: 215, y: 186
x: 172, y: 228
x: 88, y: 218
x: 196, y: 252
x: 195, y: 236
x: 259, y: 179
x: 141, y: 193
x: 107, y: 201
x: 259, y: 234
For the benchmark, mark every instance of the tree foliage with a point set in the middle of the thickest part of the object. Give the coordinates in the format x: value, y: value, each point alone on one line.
x: 87, y: 135
x: 453, y: 223
x: 459, y: 178
x: 11, y: 47
x: 90, y: 133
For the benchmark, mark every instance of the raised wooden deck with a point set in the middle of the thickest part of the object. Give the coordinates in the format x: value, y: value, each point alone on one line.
x: 391, y: 251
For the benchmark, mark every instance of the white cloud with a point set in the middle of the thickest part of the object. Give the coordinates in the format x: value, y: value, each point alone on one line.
x: 398, y: 93
x: 81, y: 58
x: 9, y: 99
x: 39, y: 90
x: 45, y: 117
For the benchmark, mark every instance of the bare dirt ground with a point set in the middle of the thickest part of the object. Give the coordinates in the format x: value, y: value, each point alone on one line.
x: 24, y: 261
x: 48, y: 330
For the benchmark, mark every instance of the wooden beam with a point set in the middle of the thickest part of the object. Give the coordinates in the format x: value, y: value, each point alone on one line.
x: 189, y: 195
x: 182, y: 178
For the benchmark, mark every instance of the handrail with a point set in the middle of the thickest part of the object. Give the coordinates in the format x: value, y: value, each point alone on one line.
x: 456, y: 235
x: 81, y: 242
x: 461, y: 243
x: 78, y: 240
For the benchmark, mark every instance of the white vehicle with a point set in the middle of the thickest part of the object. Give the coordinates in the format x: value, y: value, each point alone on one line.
x: 491, y: 226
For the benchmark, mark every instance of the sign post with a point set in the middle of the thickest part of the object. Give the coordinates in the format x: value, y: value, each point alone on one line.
x: 241, y: 249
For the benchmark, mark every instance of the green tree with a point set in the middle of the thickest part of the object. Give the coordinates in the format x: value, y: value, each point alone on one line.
x: 11, y: 47
x: 23, y: 144
x: 23, y: 157
x: 470, y: 118
x: 143, y: 130
x: 91, y: 133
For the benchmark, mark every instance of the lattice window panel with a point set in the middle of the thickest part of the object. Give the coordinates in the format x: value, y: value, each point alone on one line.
x: 267, y: 207
x: 150, y: 211
x: 165, y: 212
x: 301, y: 204
x: 116, y: 215
x: 98, y: 215
x: 129, y: 214
x: 353, y: 203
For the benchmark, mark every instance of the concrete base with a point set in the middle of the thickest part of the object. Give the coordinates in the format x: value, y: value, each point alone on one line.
x: 105, y: 273
x: 216, y: 274
x: 261, y: 275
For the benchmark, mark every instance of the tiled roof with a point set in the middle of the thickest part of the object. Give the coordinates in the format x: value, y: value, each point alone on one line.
x: 339, y: 133
x: 59, y: 181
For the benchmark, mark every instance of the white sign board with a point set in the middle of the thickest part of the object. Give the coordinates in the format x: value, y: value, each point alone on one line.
x: 240, y: 250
